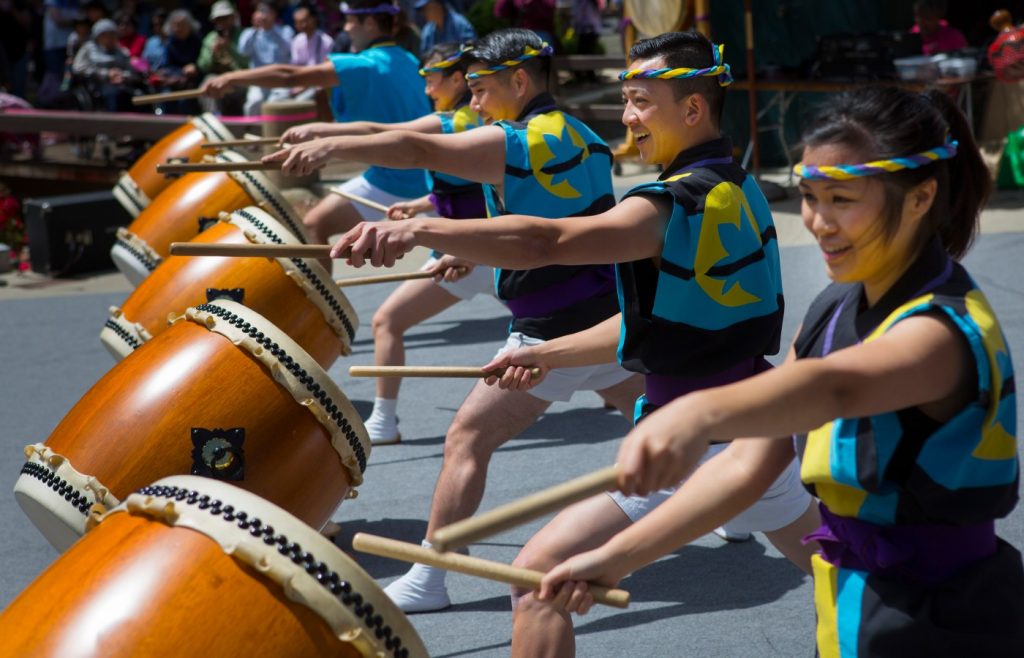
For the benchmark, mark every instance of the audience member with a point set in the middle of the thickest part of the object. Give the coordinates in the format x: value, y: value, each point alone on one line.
x: 937, y: 36
x: 443, y: 24
x: 310, y: 44
x: 156, y: 45
x: 58, y: 20
x: 128, y: 34
x: 536, y: 15
x: 105, y: 68
x: 265, y: 43
x: 220, y: 54
x: 178, y: 68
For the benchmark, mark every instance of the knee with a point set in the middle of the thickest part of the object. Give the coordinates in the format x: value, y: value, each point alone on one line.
x: 383, y: 324
x: 464, y: 444
x: 537, y: 557
x: 314, y: 223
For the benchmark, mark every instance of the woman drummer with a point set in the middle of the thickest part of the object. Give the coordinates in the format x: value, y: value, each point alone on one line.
x: 899, y: 389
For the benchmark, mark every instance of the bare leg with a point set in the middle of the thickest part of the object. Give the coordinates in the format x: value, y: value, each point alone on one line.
x: 487, y: 419
x: 623, y: 395
x: 334, y: 214
x: 538, y: 629
x: 787, y: 539
x: 410, y: 304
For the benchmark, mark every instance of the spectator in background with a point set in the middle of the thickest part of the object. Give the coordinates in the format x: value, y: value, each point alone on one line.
x: 937, y: 36
x: 265, y: 43
x: 81, y: 32
x: 310, y: 44
x: 443, y: 24
x: 105, y: 67
x: 178, y: 68
x: 58, y: 20
x: 128, y: 34
x: 536, y: 15
x: 219, y: 54
x: 156, y: 45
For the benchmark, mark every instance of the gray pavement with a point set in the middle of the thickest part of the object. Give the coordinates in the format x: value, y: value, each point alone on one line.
x: 706, y: 599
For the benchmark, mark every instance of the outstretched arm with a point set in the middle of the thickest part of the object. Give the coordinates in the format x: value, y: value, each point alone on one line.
x: 427, y: 124
x: 630, y: 231
x: 477, y: 155
x: 275, y: 75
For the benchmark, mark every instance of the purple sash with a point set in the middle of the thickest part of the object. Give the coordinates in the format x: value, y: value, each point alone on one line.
x: 920, y: 553
x: 469, y: 205
x: 662, y: 389
x: 540, y: 303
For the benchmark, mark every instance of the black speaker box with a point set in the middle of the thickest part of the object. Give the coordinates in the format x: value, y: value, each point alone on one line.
x: 73, y: 233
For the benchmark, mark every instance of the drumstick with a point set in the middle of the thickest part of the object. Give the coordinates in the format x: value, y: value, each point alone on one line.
x: 386, y: 278
x: 167, y: 96
x: 189, y: 167
x: 358, y: 199
x: 232, y: 143
x: 467, y: 531
x: 428, y: 371
x: 252, y: 250
x: 474, y: 566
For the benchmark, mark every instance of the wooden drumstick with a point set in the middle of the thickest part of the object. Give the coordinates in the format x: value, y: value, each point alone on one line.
x: 189, y: 167
x: 232, y: 143
x: 467, y: 531
x: 167, y: 96
x: 358, y: 199
x: 474, y: 566
x: 386, y: 278
x: 252, y: 250
x: 428, y: 371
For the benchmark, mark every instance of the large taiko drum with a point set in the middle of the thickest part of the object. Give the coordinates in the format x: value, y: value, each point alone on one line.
x: 297, y: 295
x: 654, y: 18
x: 141, y: 184
x: 190, y: 205
x: 193, y: 567
x: 222, y: 393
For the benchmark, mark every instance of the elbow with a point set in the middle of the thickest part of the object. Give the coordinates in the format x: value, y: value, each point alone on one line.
x: 539, y: 249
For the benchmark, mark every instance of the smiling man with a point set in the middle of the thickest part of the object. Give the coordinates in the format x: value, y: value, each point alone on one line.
x: 701, y: 301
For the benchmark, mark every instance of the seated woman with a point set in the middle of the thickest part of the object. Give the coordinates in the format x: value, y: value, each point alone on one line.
x: 105, y: 68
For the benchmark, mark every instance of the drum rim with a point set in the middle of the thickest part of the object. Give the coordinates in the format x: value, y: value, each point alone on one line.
x: 138, y: 248
x: 313, y: 573
x: 121, y: 336
x: 130, y: 195
x: 212, y: 128
x: 265, y: 193
x: 261, y: 227
x: 295, y: 370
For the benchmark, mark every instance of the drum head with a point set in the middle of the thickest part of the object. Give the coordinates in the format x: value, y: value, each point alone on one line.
x: 654, y: 18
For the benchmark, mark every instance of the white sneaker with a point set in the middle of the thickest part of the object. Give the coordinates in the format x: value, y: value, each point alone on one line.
x: 734, y: 537
x: 412, y: 596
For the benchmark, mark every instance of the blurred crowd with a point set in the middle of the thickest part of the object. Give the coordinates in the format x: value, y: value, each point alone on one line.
x: 94, y: 55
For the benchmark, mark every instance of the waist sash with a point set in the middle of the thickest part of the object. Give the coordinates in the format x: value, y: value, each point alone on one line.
x: 662, y: 389
x: 594, y: 282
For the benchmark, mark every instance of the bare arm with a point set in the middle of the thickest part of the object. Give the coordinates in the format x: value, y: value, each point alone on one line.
x: 427, y: 124
x: 275, y: 75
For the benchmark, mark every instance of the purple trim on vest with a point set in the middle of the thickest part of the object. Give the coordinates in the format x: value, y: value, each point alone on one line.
x: 947, y: 271
x: 460, y: 206
x: 701, y: 163
x: 920, y: 553
x: 540, y: 303
x: 662, y: 389
x: 826, y: 349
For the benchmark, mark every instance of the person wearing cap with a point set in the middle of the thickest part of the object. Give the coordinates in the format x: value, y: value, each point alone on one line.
x: 533, y: 159
x: 378, y: 81
x: 105, y: 67
x: 219, y: 54
x: 443, y: 24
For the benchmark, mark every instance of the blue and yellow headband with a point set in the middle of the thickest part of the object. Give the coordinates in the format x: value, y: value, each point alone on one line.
x: 445, y: 64
x: 382, y: 8
x: 848, y: 171
x: 720, y: 70
x: 545, y: 51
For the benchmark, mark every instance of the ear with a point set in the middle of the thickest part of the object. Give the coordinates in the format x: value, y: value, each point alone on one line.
x: 920, y: 198
x: 694, y: 108
x: 520, y: 82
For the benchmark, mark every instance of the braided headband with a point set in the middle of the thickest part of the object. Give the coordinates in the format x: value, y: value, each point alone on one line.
x: 848, y: 171
x: 382, y: 8
x: 440, y: 67
x: 545, y: 51
x: 720, y: 70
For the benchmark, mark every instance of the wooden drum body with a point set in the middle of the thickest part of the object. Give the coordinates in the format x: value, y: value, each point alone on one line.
x: 222, y: 393
x: 190, y: 205
x: 190, y: 566
x: 297, y: 295
x: 141, y: 184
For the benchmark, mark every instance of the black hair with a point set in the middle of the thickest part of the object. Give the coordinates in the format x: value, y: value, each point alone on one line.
x: 443, y: 51
x: 934, y: 8
x: 885, y: 123
x: 504, y: 45
x: 387, y: 22
x: 691, y: 50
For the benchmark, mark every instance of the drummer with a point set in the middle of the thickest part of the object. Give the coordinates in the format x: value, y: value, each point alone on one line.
x: 444, y: 69
x: 377, y: 62
x: 701, y: 303
x: 548, y: 164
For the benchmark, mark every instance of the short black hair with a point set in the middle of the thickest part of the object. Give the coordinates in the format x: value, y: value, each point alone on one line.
x: 504, y: 45
x: 443, y: 51
x: 385, y: 21
x: 691, y: 50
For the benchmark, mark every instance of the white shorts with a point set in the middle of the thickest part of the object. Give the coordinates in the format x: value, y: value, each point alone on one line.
x: 360, y: 187
x: 782, y: 504
x: 478, y: 282
x: 561, y: 383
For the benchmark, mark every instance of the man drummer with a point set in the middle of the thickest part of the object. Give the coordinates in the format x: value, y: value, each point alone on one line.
x: 376, y: 62
x: 700, y: 288
x: 548, y: 164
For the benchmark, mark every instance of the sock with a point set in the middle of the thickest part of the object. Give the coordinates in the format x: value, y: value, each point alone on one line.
x: 382, y: 425
x: 421, y: 589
